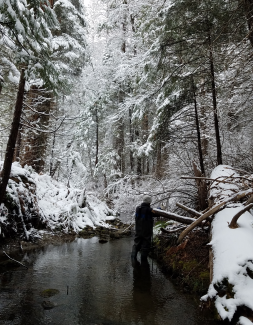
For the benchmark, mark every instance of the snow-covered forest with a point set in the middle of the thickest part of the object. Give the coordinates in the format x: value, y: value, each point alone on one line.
x: 106, y: 100
x: 123, y: 97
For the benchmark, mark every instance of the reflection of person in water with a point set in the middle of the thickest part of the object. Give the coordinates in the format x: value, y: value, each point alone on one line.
x: 142, y: 295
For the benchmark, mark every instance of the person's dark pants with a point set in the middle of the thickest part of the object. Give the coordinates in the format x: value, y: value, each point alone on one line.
x: 141, y: 244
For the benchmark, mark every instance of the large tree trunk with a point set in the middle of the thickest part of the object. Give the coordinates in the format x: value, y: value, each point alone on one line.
x: 145, y: 133
x: 202, y: 189
x: 216, y: 121
x: 131, y: 134
x: 96, y: 118
x: 18, y: 145
x: 34, y: 143
x: 198, y: 131
x: 248, y: 9
x: 158, y: 171
x: 139, y: 166
x: 5, y: 174
x: 51, y: 169
x: 120, y: 145
x: 124, y: 28
x: 138, y: 158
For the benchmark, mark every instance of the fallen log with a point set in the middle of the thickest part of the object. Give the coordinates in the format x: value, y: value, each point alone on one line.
x: 206, y: 179
x: 210, y: 212
x: 230, y: 267
x: 191, y: 211
x: 173, y: 216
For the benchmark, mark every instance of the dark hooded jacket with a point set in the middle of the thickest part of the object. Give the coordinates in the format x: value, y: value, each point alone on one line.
x: 144, y: 220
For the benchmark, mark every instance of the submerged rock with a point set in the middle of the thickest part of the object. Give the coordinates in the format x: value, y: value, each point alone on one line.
x: 116, y: 235
x: 103, y: 239
x: 47, y: 304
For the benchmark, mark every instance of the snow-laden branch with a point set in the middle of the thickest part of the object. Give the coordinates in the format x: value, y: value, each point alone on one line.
x: 173, y: 216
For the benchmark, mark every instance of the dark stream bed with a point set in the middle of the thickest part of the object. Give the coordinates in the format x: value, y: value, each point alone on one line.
x: 96, y: 284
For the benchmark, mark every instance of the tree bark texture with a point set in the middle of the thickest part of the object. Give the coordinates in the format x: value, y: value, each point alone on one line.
x: 145, y: 128
x: 159, y: 159
x: 51, y: 173
x: 131, y: 135
x: 202, y: 189
x: 96, y: 118
x: 248, y: 9
x: 5, y: 174
x: 18, y: 145
x: 201, y: 161
x: 216, y: 121
x: 34, y: 143
x: 120, y: 145
x: 124, y: 28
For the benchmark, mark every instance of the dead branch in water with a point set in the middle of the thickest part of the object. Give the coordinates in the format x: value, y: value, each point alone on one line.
x: 14, y: 260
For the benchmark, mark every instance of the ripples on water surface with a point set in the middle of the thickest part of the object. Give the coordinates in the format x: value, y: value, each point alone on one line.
x: 102, y: 286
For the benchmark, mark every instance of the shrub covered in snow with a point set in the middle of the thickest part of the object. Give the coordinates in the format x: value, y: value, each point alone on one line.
x: 36, y: 201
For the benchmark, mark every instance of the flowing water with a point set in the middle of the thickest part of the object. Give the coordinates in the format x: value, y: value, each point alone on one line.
x: 96, y: 284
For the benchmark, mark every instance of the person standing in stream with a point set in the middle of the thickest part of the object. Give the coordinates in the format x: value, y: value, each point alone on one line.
x: 143, y: 229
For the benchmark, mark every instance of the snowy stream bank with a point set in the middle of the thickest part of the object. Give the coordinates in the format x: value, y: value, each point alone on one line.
x: 36, y: 201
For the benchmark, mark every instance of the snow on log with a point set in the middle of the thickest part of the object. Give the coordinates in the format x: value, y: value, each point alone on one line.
x: 213, y: 210
x: 232, y: 281
x: 173, y: 216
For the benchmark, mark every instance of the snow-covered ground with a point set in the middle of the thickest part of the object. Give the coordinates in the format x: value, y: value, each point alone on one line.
x: 59, y: 207
x: 232, y: 283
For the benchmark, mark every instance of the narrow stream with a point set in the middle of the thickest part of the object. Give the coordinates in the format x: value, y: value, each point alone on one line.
x: 97, y: 285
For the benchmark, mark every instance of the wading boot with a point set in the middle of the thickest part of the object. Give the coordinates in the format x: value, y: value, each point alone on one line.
x: 134, y: 253
x: 144, y: 258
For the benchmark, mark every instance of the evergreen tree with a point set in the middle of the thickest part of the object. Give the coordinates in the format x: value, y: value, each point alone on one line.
x: 20, y: 25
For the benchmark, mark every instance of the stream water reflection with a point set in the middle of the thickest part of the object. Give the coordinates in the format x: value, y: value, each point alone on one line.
x: 97, y: 285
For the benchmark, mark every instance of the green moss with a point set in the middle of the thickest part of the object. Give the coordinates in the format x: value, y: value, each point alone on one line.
x: 188, y: 266
x: 162, y: 224
x: 49, y: 293
x: 197, y: 286
x: 174, y: 265
x: 205, y: 275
